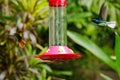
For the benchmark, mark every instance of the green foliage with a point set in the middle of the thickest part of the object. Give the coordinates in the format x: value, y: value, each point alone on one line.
x: 88, y: 35
x: 17, y: 19
x: 93, y: 48
x: 117, y: 51
x: 30, y: 17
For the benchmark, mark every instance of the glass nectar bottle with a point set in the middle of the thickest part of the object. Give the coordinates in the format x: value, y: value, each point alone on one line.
x: 58, y: 50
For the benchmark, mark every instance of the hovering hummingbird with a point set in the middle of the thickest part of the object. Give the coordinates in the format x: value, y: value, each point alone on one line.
x: 101, y: 18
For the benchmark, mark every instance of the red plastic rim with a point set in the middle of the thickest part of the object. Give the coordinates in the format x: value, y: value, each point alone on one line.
x: 58, y: 53
x: 57, y: 3
x: 58, y: 57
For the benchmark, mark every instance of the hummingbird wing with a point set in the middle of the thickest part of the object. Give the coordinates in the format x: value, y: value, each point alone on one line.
x: 111, y: 24
x: 102, y: 14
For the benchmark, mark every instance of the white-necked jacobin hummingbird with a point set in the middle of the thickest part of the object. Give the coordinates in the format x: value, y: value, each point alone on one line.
x: 101, y: 18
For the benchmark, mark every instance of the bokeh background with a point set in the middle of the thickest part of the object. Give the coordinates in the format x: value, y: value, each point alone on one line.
x: 21, y: 18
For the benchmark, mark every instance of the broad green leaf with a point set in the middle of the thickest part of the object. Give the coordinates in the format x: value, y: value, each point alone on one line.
x: 67, y: 73
x: 31, y: 5
x: 24, y: 4
x: 44, y: 74
x: 17, y: 5
x: 41, y: 8
x: 92, y: 47
x: 105, y: 77
x: 117, y: 51
x: 46, y: 67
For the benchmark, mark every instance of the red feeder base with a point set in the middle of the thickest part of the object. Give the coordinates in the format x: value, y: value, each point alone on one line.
x: 58, y: 53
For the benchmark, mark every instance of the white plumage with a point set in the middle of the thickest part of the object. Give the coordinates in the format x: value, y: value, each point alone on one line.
x: 110, y: 24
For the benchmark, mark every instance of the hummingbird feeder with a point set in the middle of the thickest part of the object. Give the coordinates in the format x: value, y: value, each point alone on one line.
x: 58, y: 51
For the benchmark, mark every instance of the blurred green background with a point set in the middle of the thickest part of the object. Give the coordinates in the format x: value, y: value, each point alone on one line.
x: 30, y: 17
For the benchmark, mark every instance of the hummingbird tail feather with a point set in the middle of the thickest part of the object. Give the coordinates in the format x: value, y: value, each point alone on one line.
x: 111, y: 24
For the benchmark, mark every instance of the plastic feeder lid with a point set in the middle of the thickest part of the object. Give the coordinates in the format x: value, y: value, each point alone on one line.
x: 58, y: 53
x: 57, y: 3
